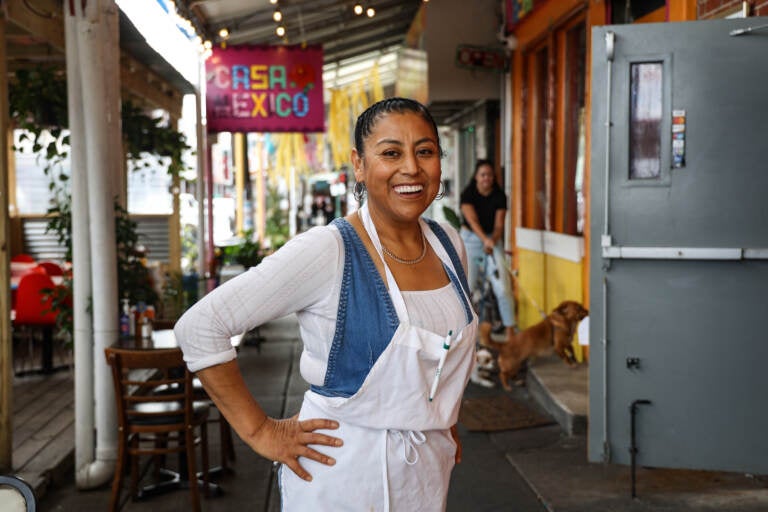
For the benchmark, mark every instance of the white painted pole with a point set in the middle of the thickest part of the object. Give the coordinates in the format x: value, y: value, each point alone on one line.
x: 96, y: 33
x: 81, y: 256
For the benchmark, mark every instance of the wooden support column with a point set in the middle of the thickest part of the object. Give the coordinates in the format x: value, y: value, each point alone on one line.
x: 6, y: 343
x: 682, y: 10
x: 238, y: 141
x: 174, y: 223
x: 260, y: 199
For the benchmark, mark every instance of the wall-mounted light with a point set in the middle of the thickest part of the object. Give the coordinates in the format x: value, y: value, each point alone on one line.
x: 370, y: 12
x: 358, y: 9
x: 277, y: 15
x: 280, y: 31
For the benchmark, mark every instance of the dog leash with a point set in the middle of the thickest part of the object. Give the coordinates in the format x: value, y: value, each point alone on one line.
x: 522, y: 289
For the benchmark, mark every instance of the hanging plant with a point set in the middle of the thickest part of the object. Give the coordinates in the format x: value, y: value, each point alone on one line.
x: 38, y: 104
x: 143, y: 135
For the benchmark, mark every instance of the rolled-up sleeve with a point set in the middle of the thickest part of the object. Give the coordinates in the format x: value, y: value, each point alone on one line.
x: 295, y: 277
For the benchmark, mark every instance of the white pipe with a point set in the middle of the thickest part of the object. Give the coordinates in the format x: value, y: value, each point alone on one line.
x: 99, y: 117
x: 606, y: 444
x: 81, y: 263
x: 610, y: 42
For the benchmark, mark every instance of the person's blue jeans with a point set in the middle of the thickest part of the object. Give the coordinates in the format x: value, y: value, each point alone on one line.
x: 477, y: 268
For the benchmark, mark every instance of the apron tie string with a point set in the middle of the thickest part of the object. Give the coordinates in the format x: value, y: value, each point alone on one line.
x: 411, y: 440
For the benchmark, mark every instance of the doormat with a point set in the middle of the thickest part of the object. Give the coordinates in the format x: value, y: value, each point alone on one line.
x: 499, y: 412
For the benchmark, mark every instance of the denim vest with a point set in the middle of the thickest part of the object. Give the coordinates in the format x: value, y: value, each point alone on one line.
x: 366, y: 319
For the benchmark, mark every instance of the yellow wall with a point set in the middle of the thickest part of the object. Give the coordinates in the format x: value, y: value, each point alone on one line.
x: 543, y: 282
x: 530, y: 287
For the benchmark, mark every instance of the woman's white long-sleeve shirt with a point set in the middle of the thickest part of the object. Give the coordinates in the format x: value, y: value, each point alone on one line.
x: 303, y: 277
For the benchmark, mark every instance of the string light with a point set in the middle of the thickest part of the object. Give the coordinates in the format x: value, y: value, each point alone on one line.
x: 358, y: 9
x: 370, y: 12
x: 277, y: 15
x: 280, y: 31
x: 273, y: 2
x: 224, y: 32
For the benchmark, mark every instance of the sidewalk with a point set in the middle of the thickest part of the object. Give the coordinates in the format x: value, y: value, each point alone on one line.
x: 527, y: 470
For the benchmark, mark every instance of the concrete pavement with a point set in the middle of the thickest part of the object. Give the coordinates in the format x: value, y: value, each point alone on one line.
x: 527, y: 470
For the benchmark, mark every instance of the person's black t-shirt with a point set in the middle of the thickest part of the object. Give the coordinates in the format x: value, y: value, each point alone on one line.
x: 485, y: 206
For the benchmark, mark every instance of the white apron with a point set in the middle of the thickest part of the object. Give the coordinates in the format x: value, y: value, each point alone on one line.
x: 398, y: 452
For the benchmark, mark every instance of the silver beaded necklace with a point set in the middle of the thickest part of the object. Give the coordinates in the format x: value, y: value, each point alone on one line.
x: 404, y: 261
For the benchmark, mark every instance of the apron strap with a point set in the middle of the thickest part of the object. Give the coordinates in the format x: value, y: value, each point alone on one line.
x: 394, y: 291
x: 440, y: 243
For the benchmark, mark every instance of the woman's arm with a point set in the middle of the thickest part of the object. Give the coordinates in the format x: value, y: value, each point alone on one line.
x: 300, y: 276
x: 280, y: 440
x: 498, y: 225
x: 470, y: 215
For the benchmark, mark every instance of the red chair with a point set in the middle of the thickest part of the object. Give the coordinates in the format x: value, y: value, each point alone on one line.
x: 23, y: 258
x: 51, y: 268
x: 33, y: 311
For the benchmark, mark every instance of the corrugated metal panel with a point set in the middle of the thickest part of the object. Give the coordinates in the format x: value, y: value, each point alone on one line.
x: 152, y: 229
x: 43, y: 246
x: 153, y: 234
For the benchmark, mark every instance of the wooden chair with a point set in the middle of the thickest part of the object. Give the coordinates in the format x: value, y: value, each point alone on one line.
x: 16, y: 495
x: 225, y: 430
x: 33, y: 313
x: 51, y: 268
x: 156, y: 424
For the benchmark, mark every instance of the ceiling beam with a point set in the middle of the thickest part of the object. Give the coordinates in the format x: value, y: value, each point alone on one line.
x: 138, y: 80
x: 45, y: 22
x: 40, y: 52
x: 342, y: 54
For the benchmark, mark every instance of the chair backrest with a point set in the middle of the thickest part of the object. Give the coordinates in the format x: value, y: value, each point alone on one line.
x: 51, y: 268
x: 153, y: 388
x: 23, y: 258
x: 16, y: 495
x: 32, y: 304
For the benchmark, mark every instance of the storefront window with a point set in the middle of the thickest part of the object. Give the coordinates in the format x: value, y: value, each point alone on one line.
x: 645, y: 120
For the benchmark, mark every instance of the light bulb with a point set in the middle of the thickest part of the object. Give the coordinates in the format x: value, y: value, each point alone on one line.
x: 277, y: 15
x: 358, y: 9
x: 280, y: 31
x: 223, y: 33
x: 370, y: 12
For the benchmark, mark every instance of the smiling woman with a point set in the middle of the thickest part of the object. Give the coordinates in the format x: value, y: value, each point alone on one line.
x: 378, y: 296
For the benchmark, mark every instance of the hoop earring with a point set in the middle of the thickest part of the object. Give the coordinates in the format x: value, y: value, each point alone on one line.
x: 359, y: 191
x: 440, y: 191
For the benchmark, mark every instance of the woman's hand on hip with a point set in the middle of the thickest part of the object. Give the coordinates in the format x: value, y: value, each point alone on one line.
x: 285, y: 440
x: 455, y: 436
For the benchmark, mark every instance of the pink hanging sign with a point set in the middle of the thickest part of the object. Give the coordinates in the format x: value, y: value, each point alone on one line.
x: 265, y: 89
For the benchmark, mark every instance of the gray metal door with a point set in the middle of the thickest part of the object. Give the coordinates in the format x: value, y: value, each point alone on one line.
x: 679, y: 244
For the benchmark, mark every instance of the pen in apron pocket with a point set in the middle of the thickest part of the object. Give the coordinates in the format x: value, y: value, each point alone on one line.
x: 446, y: 346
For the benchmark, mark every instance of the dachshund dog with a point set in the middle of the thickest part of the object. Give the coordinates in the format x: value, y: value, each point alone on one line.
x: 554, y: 333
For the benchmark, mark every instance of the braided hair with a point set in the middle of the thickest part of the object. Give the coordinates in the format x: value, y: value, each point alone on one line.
x: 368, y: 119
